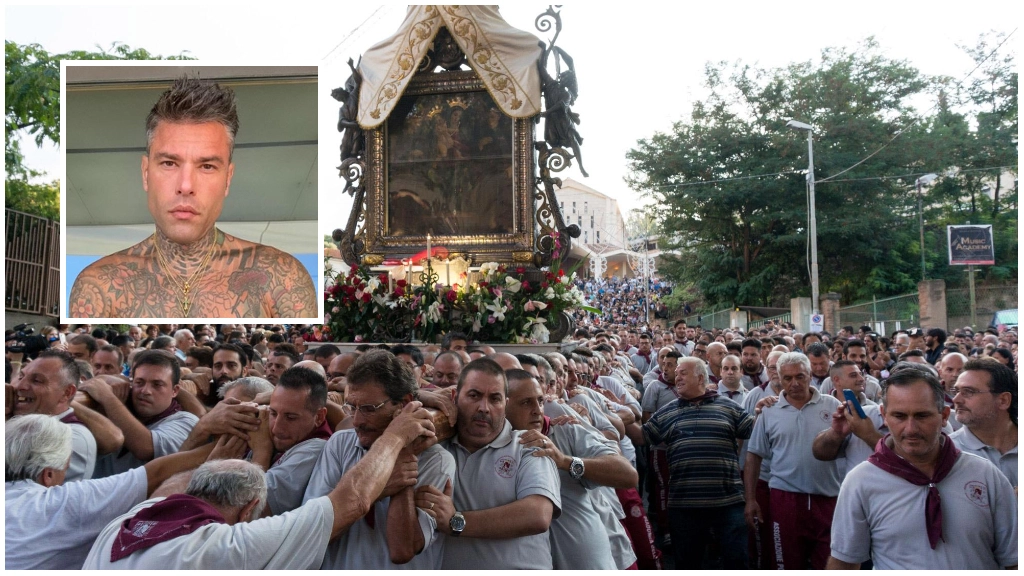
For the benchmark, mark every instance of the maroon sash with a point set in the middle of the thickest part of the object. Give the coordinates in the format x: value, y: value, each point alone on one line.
x: 644, y: 356
x: 547, y: 426
x: 887, y: 459
x: 177, y: 515
x: 147, y: 422
x: 72, y: 419
x: 323, y: 432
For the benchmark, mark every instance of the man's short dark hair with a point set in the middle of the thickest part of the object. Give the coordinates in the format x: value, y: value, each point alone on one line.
x: 243, y: 358
x: 1001, y: 379
x: 288, y: 351
x: 385, y: 369
x: 939, y: 334
x: 527, y: 360
x: 302, y: 378
x: 816, y: 349
x: 121, y: 340
x: 751, y: 343
x: 803, y: 340
x: 734, y: 346
x: 195, y: 101
x: 326, y: 351
x: 69, y: 370
x: 485, y: 365
x: 84, y: 339
x: 853, y: 343
x: 517, y: 374
x: 162, y: 343
x: 410, y: 350
x: 678, y: 322
x: 910, y: 354
x: 604, y: 348
x: 907, y: 373
x: 113, y: 350
x: 202, y: 354
x: 446, y: 342
x: 449, y: 354
x: 841, y: 364
x: 158, y: 358
x: 276, y: 338
x: 673, y: 353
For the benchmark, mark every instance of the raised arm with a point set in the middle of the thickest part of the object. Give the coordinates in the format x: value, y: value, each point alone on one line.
x: 109, y: 438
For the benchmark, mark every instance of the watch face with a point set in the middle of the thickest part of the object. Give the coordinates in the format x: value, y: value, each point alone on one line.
x: 458, y: 523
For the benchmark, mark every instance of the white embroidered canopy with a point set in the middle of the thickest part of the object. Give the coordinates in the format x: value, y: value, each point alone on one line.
x: 504, y: 57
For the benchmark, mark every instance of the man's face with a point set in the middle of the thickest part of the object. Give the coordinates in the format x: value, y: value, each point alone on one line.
x: 39, y: 389
x: 185, y: 341
x: 152, y: 389
x: 982, y: 407
x: 458, y: 345
x: 644, y: 346
x: 819, y: 366
x: 226, y: 367
x: 773, y: 370
x: 680, y: 332
x: 949, y: 371
x: 369, y: 427
x: 669, y: 366
x: 275, y: 366
x: 751, y: 357
x: 902, y: 343
x: 690, y: 333
x: 186, y: 176
x: 525, y: 408
x: 571, y: 379
x: 731, y: 372
x: 796, y: 382
x: 917, y: 343
x: 325, y: 361
x: 634, y: 340
x: 446, y: 371
x: 858, y: 354
x: 79, y: 351
x: 105, y: 362
x: 689, y: 382
x: 339, y: 366
x: 290, y: 420
x: 849, y: 378
x: 810, y: 340
x: 716, y: 354
x: 700, y: 350
x: 136, y: 333
x: 481, y: 405
x: 914, y: 421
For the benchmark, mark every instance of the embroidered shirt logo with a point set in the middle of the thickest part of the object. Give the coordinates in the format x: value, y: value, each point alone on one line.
x: 505, y: 467
x: 142, y: 528
x: 977, y: 493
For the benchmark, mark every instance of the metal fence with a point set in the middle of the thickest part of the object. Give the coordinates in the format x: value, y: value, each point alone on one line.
x: 988, y: 301
x: 754, y: 324
x: 719, y: 319
x: 32, y: 264
x: 885, y: 316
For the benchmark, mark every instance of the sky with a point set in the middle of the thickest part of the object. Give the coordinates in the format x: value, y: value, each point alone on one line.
x: 639, y: 65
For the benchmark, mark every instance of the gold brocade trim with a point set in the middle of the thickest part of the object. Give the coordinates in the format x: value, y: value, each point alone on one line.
x: 420, y: 34
x: 373, y: 259
x: 483, y: 58
x: 522, y: 256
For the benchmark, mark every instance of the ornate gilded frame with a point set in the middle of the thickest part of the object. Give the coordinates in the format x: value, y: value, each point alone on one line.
x: 517, y: 246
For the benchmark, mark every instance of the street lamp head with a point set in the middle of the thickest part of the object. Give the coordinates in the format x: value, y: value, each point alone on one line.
x: 799, y: 126
x: 926, y: 179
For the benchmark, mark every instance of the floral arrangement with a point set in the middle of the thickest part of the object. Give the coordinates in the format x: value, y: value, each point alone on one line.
x: 504, y: 305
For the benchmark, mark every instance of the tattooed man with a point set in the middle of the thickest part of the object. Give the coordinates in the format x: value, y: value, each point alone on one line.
x: 189, y: 268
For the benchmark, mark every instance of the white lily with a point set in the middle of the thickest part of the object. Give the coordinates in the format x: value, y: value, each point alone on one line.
x: 497, y: 310
x: 373, y: 283
x: 513, y: 284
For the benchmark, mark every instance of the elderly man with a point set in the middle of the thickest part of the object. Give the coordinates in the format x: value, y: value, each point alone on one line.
x: 505, y: 499
x: 918, y: 502
x: 579, y: 539
x: 183, y: 341
x: 189, y: 268
x: 803, y: 489
x: 950, y: 368
x: 985, y: 397
x: 47, y: 385
x: 393, y: 531
x: 702, y: 431
x: 214, y: 524
x: 51, y: 524
x: 153, y: 422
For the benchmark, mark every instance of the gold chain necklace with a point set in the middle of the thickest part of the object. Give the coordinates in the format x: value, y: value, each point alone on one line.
x: 186, y: 287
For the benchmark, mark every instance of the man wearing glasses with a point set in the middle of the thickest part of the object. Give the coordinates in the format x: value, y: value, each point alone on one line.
x: 394, y: 531
x: 985, y: 397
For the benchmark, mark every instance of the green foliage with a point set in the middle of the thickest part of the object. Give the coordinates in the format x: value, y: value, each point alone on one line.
x: 730, y: 178
x: 32, y: 107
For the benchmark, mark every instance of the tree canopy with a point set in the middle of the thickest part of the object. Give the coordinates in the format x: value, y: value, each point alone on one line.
x: 32, y: 108
x: 729, y: 182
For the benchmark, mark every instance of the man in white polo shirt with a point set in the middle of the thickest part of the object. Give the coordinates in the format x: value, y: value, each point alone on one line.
x: 394, y: 531
x: 579, y: 540
x: 985, y: 397
x: 504, y: 497
x: 50, y: 523
x: 919, y: 503
x: 214, y: 525
x: 47, y: 385
x: 803, y: 489
x: 153, y: 422
x: 850, y: 439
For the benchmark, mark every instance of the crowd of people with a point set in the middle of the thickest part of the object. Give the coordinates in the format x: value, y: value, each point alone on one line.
x: 256, y: 446
x: 623, y: 301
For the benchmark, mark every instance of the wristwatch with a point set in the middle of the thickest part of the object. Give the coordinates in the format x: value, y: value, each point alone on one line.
x: 457, y: 523
x: 576, y: 468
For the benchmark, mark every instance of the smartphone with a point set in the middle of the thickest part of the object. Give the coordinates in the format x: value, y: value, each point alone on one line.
x: 856, y: 403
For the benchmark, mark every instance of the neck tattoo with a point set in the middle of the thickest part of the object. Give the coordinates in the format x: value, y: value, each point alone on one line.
x: 184, y: 283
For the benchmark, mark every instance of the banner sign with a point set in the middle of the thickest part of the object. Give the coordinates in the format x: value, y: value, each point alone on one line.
x: 970, y: 245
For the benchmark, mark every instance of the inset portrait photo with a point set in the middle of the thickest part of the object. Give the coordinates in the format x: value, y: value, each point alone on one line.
x: 189, y: 191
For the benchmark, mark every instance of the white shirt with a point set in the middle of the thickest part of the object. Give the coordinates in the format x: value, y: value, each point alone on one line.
x: 882, y: 516
x: 53, y: 528
x: 294, y: 540
x: 968, y: 442
x: 287, y: 479
x: 83, y: 450
x: 364, y: 548
x: 168, y: 436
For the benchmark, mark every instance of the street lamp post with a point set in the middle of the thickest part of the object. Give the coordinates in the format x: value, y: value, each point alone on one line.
x: 811, y: 216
